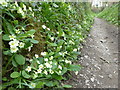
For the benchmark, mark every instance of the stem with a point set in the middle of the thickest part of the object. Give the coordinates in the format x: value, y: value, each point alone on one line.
x: 9, y: 62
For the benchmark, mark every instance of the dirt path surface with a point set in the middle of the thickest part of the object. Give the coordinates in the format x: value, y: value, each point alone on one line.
x: 99, y: 58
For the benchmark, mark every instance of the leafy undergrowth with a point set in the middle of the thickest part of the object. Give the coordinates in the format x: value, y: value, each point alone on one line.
x: 40, y: 42
x: 110, y: 14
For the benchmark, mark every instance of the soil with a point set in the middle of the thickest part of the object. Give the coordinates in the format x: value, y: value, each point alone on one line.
x: 99, y: 58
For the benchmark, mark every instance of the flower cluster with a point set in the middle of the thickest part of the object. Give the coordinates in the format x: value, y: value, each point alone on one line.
x: 14, y: 44
x: 46, y: 67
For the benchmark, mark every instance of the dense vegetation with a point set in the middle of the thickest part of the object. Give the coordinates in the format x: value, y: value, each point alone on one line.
x: 40, y: 42
x: 110, y: 14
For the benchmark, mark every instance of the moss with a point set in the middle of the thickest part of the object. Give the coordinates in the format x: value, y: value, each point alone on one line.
x: 37, y: 48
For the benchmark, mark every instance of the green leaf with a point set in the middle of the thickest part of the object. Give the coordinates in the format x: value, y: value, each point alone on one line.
x: 53, y: 44
x: 30, y: 32
x: 40, y: 84
x: 14, y: 63
x: 74, y: 67
x: 7, y: 52
x: 15, y: 75
x: 49, y: 83
x: 67, y: 86
x: 60, y: 42
x: 57, y: 77
x: 25, y: 75
x: 41, y: 59
x: 20, y: 59
x: 15, y: 22
x: 34, y: 41
x: 6, y: 37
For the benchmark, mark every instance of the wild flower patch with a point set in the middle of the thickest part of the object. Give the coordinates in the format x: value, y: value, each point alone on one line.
x: 41, y: 42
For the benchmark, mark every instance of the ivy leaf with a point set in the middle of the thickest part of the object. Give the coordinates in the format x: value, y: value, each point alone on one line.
x: 20, y: 59
x: 15, y: 75
x: 6, y: 37
x: 25, y: 75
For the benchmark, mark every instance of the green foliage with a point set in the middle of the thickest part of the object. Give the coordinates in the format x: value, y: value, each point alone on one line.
x: 110, y: 14
x: 60, y: 26
x: 20, y: 59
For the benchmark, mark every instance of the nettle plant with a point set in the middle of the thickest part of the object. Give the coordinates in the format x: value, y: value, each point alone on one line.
x: 58, y: 25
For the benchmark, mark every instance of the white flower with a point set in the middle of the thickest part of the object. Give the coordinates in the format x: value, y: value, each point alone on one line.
x: 39, y: 70
x: 13, y: 49
x: 14, y: 43
x: 51, y: 58
x: 48, y: 65
x: 59, y: 72
x: 49, y: 8
x: 32, y: 36
x: 60, y: 67
x: 12, y: 37
x: 50, y: 62
x: 57, y: 32
x: 24, y: 7
x: 17, y: 31
x: 20, y: 10
x: 63, y: 34
x: 52, y: 38
x: 45, y: 72
x: 30, y: 8
x: 75, y: 50
x: 60, y: 46
x: 48, y: 29
x: 43, y: 26
x: 29, y: 48
x: 33, y: 85
x: 21, y: 45
x: 43, y: 53
x: 28, y: 69
x: 71, y: 42
x: 51, y: 71
x: 31, y: 60
x: 40, y: 66
x: 76, y: 73
x: 36, y: 72
x: 38, y: 62
x: 16, y: 4
x: 66, y: 61
x: 36, y: 55
x: 46, y: 59
x: 38, y: 20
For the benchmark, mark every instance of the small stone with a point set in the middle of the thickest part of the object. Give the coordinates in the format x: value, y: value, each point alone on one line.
x: 92, y: 79
x: 101, y: 76
x: 86, y: 56
x: 86, y: 81
x: 81, y: 57
x: 81, y: 75
x: 110, y: 76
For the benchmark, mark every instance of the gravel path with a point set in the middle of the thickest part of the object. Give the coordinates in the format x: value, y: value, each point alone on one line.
x: 99, y: 58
